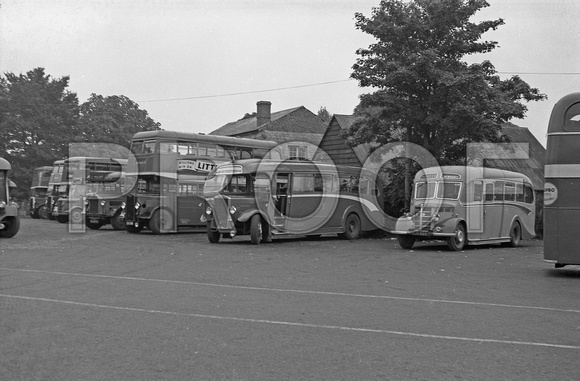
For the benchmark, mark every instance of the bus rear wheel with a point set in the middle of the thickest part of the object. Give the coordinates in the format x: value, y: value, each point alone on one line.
x: 457, y: 242
x: 352, y: 227
x: 256, y: 229
x: 406, y: 241
x: 161, y: 221
x: 515, y: 235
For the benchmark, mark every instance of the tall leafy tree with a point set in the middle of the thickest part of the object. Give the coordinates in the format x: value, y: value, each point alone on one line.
x: 112, y: 119
x: 38, y: 116
x: 425, y: 92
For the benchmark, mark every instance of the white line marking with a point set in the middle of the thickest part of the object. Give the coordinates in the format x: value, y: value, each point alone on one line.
x: 305, y: 325
x: 296, y: 291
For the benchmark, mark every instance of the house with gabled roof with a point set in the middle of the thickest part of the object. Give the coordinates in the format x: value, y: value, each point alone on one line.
x: 298, y: 129
x: 336, y: 146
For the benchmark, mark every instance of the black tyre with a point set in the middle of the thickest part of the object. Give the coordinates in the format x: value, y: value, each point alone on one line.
x: 352, y: 227
x: 256, y: 229
x: 118, y: 222
x: 161, y: 221
x: 213, y: 235
x: 43, y: 212
x: 94, y: 225
x: 459, y: 239
x: 406, y: 241
x: 133, y: 229
x: 34, y: 214
x: 515, y: 235
x: 63, y: 219
x: 12, y: 226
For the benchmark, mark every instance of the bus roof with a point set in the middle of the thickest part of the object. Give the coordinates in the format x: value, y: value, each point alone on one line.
x: 4, y: 165
x: 472, y: 173
x: 97, y: 159
x: 558, y: 117
x: 216, y: 139
x: 270, y: 166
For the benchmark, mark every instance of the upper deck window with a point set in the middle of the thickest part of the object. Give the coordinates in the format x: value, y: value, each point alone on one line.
x: 572, y: 118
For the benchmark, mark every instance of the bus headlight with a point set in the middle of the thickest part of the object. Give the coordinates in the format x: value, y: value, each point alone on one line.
x: 436, y: 217
x: 2, y: 204
x: 232, y: 210
x: 86, y: 201
x: 208, y: 211
x: 137, y: 205
x: 123, y: 205
x: 103, y: 203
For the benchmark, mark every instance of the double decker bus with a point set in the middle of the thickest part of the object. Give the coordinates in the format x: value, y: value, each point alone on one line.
x: 106, y: 188
x: 52, y: 193
x: 562, y: 181
x: 475, y: 205
x: 85, y: 179
x: 9, y: 219
x: 265, y: 198
x: 170, y: 169
x: 38, y: 188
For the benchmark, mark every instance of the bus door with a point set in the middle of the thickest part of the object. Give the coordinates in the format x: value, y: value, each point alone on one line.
x: 475, y: 208
x: 492, y: 209
x: 190, y: 205
x: 281, y: 198
x: 306, y: 195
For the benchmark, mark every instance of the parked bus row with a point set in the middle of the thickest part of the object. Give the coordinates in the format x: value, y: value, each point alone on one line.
x: 229, y: 186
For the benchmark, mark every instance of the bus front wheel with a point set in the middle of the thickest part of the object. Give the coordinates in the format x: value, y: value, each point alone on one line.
x: 515, y: 235
x: 457, y: 242
x: 134, y: 229
x: 118, y: 222
x: 12, y: 225
x: 43, y: 212
x: 213, y: 236
x: 352, y: 227
x: 161, y: 221
x: 406, y: 241
x: 256, y: 229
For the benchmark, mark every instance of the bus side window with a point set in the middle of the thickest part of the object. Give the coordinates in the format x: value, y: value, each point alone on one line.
x: 520, y: 192
x: 477, y: 191
x: 509, y: 192
x: 488, y: 192
x: 498, y: 191
x: 528, y: 194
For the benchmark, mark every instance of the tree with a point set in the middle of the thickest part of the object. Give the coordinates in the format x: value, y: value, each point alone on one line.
x: 38, y: 118
x: 426, y: 94
x: 113, y: 119
x: 324, y: 114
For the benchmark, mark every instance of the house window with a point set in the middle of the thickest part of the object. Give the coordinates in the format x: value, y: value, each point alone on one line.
x: 297, y: 152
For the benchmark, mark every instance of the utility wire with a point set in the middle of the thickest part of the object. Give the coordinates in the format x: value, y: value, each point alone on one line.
x: 244, y: 92
x: 319, y: 84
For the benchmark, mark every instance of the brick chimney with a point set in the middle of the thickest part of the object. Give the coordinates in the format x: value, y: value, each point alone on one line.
x: 264, y: 114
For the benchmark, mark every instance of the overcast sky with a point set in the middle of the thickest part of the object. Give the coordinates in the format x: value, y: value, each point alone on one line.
x: 196, y: 65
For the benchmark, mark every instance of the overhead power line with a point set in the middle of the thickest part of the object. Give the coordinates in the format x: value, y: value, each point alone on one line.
x: 244, y: 92
x: 319, y: 84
